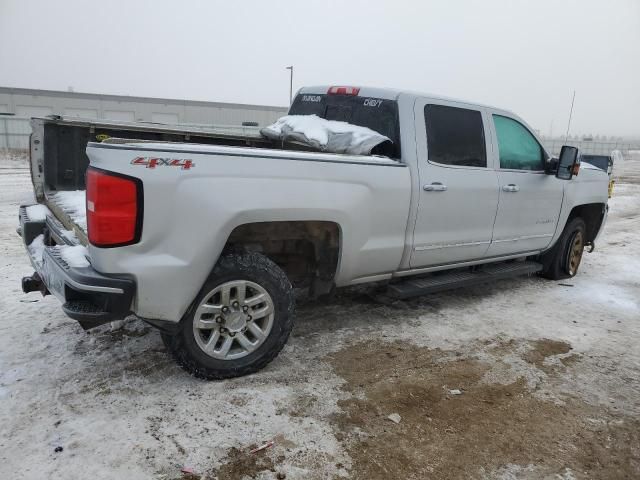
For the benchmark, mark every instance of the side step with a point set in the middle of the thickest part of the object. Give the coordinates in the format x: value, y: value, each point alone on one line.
x: 438, y: 282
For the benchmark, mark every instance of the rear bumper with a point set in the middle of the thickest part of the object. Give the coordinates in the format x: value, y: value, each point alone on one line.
x: 88, y: 296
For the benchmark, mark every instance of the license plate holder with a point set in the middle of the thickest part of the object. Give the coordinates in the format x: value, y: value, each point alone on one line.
x: 52, y: 277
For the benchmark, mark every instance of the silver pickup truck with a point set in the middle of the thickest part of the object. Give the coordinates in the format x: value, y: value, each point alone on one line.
x: 206, y: 234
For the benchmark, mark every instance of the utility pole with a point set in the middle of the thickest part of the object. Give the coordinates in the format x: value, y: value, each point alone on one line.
x: 290, y: 84
x: 570, y: 113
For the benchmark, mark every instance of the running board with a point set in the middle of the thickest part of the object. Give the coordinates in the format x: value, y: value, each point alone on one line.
x: 461, y: 278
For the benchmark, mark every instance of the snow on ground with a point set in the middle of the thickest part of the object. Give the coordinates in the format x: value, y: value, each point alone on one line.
x: 549, y: 374
x: 326, y: 135
x: 16, y: 158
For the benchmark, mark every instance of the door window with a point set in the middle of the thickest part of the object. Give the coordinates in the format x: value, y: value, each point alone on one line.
x: 455, y: 136
x: 519, y: 150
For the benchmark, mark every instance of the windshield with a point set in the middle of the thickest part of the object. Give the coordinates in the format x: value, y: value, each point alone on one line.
x: 377, y: 114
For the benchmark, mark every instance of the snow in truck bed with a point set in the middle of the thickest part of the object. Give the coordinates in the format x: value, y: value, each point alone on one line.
x: 73, y: 204
x: 325, y: 135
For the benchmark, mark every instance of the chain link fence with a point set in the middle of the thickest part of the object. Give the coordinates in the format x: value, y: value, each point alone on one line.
x: 592, y: 147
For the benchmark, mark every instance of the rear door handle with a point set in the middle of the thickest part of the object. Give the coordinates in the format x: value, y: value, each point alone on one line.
x: 512, y: 187
x: 435, y: 187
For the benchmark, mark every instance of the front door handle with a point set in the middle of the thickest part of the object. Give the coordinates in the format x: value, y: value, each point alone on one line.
x: 512, y: 187
x: 435, y: 187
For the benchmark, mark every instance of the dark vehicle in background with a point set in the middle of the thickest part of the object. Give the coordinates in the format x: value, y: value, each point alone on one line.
x: 604, y: 163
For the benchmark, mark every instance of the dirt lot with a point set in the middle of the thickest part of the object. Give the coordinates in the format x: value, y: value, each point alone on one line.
x: 522, y: 379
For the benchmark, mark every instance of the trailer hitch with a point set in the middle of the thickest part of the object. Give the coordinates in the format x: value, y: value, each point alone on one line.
x: 34, y: 284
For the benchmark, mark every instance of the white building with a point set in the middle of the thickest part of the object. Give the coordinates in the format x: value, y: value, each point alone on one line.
x: 26, y: 103
x: 17, y: 105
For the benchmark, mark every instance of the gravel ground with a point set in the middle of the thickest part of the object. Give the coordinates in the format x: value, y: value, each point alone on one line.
x: 521, y: 379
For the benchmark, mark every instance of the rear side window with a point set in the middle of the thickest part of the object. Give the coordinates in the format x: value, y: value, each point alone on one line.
x: 519, y: 149
x: 455, y: 136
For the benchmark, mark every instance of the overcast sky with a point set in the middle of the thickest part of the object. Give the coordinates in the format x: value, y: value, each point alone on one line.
x: 526, y: 56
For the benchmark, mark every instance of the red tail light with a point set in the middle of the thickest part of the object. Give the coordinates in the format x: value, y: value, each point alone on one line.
x: 343, y: 90
x: 114, y: 209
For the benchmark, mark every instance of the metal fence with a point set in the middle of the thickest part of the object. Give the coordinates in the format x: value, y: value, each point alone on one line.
x: 14, y: 133
x: 597, y: 147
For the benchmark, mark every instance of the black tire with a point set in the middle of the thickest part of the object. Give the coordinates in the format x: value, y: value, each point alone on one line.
x: 557, y: 261
x: 249, y: 266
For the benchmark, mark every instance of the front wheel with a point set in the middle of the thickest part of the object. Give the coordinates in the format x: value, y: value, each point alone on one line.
x: 239, y: 321
x: 564, y: 259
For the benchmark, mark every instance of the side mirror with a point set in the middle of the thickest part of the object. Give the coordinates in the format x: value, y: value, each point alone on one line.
x: 551, y: 167
x: 567, y: 163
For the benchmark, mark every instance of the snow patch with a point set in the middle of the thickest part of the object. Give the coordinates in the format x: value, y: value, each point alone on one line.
x: 75, y: 256
x: 73, y: 203
x: 325, y: 135
x: 36, y: 248
x: 70, y: 236
x: 37, y: 213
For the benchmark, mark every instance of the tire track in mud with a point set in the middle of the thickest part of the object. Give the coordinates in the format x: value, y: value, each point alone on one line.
x: 444, y: 434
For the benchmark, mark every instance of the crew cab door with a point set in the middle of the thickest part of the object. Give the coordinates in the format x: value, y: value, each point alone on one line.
x: 458, y: 188
x: 530, y: 200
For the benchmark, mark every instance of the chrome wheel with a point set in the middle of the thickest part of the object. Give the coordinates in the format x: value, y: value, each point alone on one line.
x: 576, y: 248
x: 233, y: 319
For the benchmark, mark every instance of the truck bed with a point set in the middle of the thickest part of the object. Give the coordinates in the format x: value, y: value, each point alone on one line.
x: 58, y: 145
x: 59, y: 160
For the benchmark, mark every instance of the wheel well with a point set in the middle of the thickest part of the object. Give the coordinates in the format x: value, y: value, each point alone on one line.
x: 592, y: 214
x: 307, y: 251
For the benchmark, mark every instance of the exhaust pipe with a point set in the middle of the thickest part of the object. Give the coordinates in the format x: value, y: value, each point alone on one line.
x: 34, y: 284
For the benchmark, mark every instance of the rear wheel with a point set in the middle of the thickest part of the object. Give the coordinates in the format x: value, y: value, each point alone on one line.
x: 239, y: 321
x: 564, y: 259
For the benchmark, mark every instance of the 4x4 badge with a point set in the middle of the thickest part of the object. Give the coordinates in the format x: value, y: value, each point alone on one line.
x: 153, y: 162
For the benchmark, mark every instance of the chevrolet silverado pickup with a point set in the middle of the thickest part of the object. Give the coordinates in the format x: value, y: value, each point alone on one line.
x: 206, y: 234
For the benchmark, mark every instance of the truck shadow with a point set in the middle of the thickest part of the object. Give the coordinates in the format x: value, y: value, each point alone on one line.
x: 140, y: 351
x: 364, y: 307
